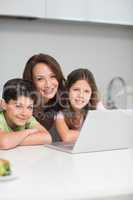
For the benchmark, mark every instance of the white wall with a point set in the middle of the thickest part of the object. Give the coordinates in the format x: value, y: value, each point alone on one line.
x: 105, y: 49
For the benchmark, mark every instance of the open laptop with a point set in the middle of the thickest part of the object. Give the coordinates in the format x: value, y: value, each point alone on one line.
x: 102, y: 130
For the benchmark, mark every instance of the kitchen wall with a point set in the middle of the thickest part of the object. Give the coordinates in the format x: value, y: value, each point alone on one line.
x: 107, y: 50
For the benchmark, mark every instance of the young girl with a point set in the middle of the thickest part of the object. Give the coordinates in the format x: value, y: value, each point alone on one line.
x: 82, y: 96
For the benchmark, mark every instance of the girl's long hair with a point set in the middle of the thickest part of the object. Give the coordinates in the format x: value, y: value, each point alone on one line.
x: 72, y: 118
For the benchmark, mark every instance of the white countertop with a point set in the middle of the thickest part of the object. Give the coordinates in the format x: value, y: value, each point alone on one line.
x: 44, y: 173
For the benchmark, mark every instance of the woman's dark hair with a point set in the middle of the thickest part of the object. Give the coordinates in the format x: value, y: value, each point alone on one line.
x: 15, y: 88
x: 45, y: 113
x: 73, y: 77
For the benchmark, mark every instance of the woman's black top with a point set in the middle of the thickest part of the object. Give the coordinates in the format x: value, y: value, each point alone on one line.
x: 46, y: 116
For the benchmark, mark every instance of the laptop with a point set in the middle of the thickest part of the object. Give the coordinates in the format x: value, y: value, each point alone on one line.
x: 102, y: 130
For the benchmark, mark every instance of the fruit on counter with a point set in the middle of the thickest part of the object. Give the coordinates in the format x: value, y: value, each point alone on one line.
x: 5, y: 168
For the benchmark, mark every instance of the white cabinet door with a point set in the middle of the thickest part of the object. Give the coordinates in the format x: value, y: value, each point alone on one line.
x: 110, y: 11
x: 24, y: 8
x: 66, y: 9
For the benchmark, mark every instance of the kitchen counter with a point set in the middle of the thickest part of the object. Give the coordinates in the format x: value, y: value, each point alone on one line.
x: 43, y: 174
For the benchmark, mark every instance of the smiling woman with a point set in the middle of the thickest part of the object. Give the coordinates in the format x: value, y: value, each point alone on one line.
x: 45, y: 81
x: 46, y: 75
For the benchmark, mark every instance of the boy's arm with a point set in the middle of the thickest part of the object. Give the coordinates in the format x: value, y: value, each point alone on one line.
x: 42, y: 136
x: 10, y: 140
x: 66, y: 134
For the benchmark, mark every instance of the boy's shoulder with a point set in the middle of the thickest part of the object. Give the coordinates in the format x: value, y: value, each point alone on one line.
x: 31, y: 123
x: 1, y: 115
x: 3, y: 123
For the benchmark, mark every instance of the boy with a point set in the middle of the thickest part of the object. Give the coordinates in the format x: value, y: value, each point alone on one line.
x: 17, y: 125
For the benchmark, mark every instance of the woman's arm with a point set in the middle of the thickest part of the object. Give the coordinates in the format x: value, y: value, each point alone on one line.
x: 10, y: 140
x: 66, y: 134
x: 42, y: 136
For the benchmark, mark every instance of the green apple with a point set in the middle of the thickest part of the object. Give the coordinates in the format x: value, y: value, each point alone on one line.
x: 4, y: 167
x: 2, y: 171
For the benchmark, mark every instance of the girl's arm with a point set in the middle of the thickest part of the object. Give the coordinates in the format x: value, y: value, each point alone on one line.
x: 41, y: 136
x: 10, y: 140
x: 66, y: 134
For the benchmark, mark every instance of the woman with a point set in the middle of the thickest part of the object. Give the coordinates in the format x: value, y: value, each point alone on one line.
x: 46, y: 75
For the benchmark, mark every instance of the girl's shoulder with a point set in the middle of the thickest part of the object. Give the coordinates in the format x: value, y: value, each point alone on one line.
x: 100, y: 106
x: 60, y: 115
x: 64, y: 114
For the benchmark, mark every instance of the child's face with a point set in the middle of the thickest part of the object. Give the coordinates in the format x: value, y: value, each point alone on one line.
x: 45, y: 81
x: 19, y: 111
x: 80, y: 94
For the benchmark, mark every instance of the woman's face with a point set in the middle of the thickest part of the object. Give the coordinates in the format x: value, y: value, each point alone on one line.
x: 80, y: 94
x: 45, y: 81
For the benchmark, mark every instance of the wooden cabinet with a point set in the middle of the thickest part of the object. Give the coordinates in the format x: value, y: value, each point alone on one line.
x: 23, y: 8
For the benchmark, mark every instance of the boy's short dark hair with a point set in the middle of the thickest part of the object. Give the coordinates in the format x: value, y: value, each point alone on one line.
x: 17, y: 87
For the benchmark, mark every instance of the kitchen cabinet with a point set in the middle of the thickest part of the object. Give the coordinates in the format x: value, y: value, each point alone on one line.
x: 66, y: 9
x: 99, y: 11
x: 110, y: 11
x: 24, y: 8
x: 103, y: 11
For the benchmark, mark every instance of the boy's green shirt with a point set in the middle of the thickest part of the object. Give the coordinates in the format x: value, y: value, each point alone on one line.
x: 4, y: 126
